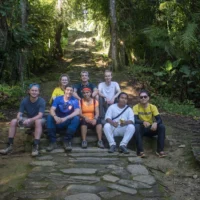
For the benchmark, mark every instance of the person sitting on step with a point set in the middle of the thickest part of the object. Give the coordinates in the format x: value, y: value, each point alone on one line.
x: 108, y: 93
x: 60, y: 90
x: 120, y: 120
x: 85, y: 83
x: 64, y: 114
x: 90, y: 117
x: 145, y: 113
x: 34, y: 107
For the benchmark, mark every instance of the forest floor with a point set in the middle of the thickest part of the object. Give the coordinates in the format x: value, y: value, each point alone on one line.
x: 177, y: 176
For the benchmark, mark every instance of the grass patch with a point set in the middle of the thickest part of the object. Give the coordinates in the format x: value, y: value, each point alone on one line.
x: 175, y: 107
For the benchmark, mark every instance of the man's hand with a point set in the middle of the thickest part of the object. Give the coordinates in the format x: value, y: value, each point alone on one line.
x: 154, y: 126
x: 115, y: 124
x: 110, y: 101
x: 26, y: 121
x: 146, y: 124
x: 58, y: 120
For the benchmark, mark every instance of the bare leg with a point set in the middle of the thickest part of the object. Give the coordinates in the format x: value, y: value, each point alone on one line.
x: 83, y: 132
x: 99, y: 131
x: 38, y: 129
x: 12, y: 129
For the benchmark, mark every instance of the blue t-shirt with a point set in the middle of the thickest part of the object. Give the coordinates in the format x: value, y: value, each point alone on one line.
x: 63, y: 108
x: 80, y: 86
x: 30, y: 108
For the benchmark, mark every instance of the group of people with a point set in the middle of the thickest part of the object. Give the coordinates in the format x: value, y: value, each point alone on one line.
x: 86, y: 106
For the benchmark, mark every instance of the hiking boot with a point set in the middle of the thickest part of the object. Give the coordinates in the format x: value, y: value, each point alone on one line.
x: 100, y: 144
x: 67, y: 145
x: 51, y: 146
x: 35, y: 150
x: 7, y: 150
x: 123, y: 149
x: 112, y: 149
x: 84, y: 144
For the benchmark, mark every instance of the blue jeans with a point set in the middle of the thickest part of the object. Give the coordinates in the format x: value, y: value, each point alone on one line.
x: 69, y: 125
x: 142, y: 131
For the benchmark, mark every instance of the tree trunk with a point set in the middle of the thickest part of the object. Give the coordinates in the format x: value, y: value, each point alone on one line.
x: 3, y: 41
x: 22, y: 57
x: 113, y: 26
x: 58, y: 52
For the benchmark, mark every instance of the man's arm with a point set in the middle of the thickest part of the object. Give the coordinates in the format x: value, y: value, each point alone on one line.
x: 75, y: 94
x: 95, y: 92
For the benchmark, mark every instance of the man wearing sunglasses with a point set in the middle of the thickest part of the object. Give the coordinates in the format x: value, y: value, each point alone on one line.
x: 148, y: 123
x: 63, y: 115
x: 34, y: 107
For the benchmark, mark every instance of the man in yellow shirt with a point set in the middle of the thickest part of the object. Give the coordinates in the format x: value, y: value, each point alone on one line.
x: 148, y: 123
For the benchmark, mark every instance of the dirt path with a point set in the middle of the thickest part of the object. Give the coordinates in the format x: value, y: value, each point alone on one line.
x: 177, y: 176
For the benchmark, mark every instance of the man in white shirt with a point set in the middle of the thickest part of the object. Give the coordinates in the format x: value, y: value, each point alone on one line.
x: 120, y: 119
x: 108, y: 92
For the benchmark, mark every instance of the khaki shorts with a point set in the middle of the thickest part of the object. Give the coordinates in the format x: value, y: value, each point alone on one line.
x: 31, y: 124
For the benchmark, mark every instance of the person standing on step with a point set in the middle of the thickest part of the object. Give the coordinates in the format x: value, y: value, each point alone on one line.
x: 60, y: 90
x: 90, y: 117
x: 120, y: 120
x: 64, y: 114
x: 108, y: 93
x: 84, y: 83
x: 34, y: 107
x: 148, y: 123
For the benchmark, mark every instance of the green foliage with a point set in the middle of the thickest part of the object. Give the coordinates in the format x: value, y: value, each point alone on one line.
x: 10, y: 96
x: 175, y: 107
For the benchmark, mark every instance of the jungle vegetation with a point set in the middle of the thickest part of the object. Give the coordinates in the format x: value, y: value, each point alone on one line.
x: 154, y: 41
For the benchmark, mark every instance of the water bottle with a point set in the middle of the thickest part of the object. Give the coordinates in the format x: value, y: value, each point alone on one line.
x: 20, y: 122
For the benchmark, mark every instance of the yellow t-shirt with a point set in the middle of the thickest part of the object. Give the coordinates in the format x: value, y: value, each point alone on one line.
x: 146, y: 114
x: 57, y: 92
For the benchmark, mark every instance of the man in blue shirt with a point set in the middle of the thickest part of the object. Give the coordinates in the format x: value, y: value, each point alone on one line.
x: 85, y: 83
x: 34, y: 107
x: 63, y: 115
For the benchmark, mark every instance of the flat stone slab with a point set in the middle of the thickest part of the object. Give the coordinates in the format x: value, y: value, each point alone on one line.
x: 81, y: 171
x: 109, y: 195
x: 35, y: 185
x: 135, y: 160
x: 123, y: 189
x: 137, y: 170
x: 78, y: 140
x: 58, y: 151
x: 83, y: 196
x: 45, y: 158
x: 43, y: 163
x: 73, y: 189
x: 86, y: 178
x: 110, y: 178
x: 94, y: 160
x: 90, y: 150
x: 148, y: 179
x: 134, y: 184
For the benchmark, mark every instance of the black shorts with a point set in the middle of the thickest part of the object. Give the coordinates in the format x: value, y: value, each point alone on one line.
x: 90, y: 126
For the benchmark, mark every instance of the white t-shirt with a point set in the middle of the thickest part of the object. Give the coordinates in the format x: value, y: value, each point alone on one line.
x: 114, y: 110
x: 109, y: 91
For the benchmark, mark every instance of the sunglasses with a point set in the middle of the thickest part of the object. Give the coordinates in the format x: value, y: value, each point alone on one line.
x: 143, y: 97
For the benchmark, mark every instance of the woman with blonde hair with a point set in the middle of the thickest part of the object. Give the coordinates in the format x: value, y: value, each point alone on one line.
x: 58, y: 91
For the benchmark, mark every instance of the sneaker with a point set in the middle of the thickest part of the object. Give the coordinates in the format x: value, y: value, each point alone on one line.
x: 35, y: 150
x: 112, y: 149
x: 123, y: 149
x: 161, y: 154
x: 51, y: 146
x: 84, y: 144
x: 100, y: 144
x: 67, y: 145
x: 7, y: 150
x: 141, y: 154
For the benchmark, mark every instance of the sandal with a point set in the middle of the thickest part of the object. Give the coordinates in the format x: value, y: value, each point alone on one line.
x: 161, y: 154
x: 141, y: 155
